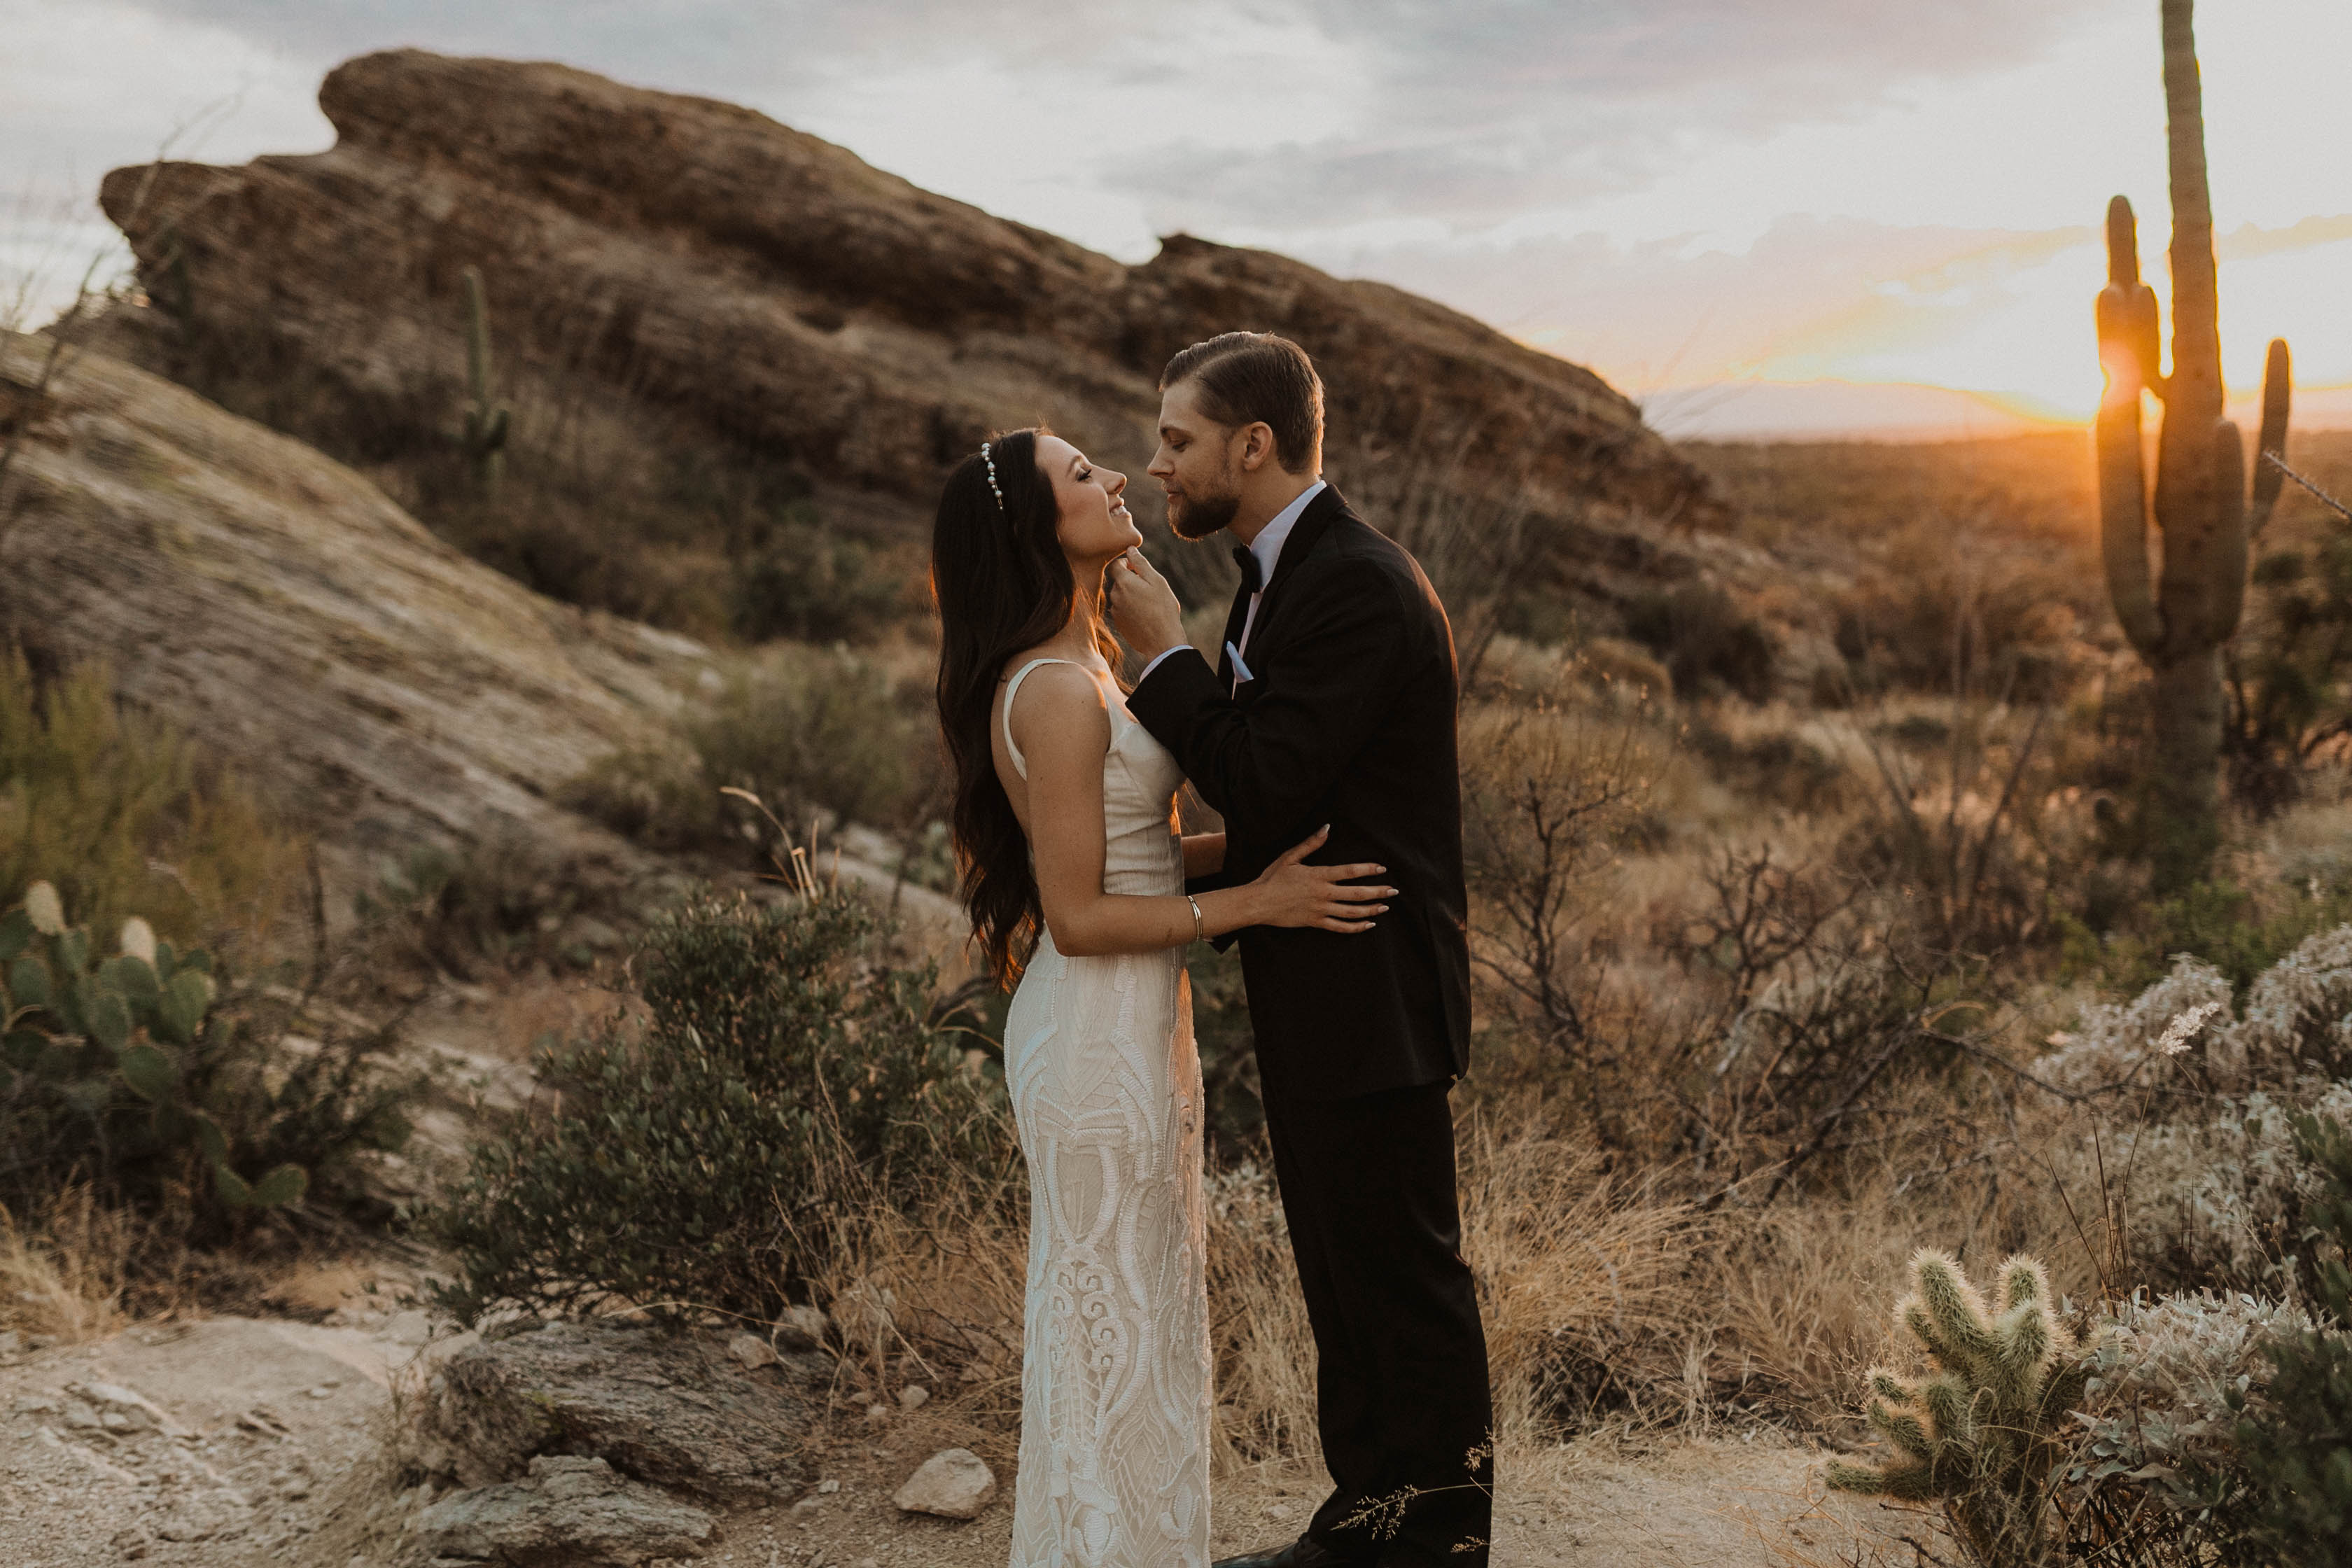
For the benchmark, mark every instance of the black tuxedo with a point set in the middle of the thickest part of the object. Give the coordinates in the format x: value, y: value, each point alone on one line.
x: 1348, y: 719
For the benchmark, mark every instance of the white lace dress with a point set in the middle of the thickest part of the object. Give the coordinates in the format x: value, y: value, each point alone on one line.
x: 1106, y: 1085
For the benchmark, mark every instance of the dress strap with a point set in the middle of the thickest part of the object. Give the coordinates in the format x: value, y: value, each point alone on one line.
x: 1019, y: 675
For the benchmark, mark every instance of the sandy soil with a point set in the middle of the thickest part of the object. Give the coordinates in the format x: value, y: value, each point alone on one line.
x: 267, y: 1447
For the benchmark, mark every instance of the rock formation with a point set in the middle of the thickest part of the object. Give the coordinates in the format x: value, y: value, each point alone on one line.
x: 286, y: 612
x: 677, y: 281
x: 670, y: 1411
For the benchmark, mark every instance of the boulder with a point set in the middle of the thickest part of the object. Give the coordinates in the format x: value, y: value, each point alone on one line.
x: 679, y: 280
x: 954, y: 1483
x: 568, y: 1510
x: 675, y: 1411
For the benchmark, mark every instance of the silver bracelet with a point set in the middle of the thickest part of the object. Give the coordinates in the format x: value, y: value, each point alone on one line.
x: 1196, y: 916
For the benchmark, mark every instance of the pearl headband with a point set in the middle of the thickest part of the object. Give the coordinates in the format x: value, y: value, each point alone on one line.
x: 993, y: 488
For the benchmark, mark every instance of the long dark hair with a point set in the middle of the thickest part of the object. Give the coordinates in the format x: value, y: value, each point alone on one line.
x: 1002, y: 584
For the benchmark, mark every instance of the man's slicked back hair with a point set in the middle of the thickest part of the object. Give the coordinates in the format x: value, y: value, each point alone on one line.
x: 1246, y: 378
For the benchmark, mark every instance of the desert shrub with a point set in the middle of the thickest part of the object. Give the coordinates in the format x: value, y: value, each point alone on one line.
x: 1550, y: 794
x: 2295, y: 1444
x: 2219, y: 922
x: 711, y: 1155
x: 1776, y: 767
x: 123, y: 817
x: 2160, y: 1467
x: 657, y: 795
x: 1704, y: 642
x: 805, y: 582
x: 812, y: 732
x: 1584, y: 1285
x: 2296, y: 1024
x: 2117, y: 1046
x: 139, y: 1074
x: 2290, y: 696
x: 1962, y: 831
x: 491, y: 904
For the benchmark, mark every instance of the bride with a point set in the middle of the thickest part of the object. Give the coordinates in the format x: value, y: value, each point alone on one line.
x: 1065, y: 834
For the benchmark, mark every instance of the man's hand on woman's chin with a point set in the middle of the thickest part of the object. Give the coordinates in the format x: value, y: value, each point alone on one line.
x: 1143, y: 606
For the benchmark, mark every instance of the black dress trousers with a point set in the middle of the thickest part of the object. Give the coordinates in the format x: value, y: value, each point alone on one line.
x: 1368, y: 1187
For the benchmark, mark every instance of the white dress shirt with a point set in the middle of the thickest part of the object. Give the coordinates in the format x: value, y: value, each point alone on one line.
x: 1267, y: 548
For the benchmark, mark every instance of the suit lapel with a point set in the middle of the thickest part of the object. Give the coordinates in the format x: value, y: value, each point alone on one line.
x: 1313, y: 524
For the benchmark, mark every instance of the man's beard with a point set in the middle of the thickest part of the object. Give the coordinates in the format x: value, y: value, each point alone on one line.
x: 1199, y: 516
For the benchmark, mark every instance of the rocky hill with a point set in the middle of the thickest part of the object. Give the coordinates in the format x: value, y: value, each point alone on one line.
x: 383, y: 689
x: 287, y: 614
x: 688, y: 298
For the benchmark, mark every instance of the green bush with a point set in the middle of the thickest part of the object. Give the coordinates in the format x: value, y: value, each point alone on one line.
x: 2217, y: 922
x: 808, y: 730
x: 803, y: 582
x: 782, y: 1075
x: 135, y: 1072
x: 1705, y: 642
x: 119, y: 812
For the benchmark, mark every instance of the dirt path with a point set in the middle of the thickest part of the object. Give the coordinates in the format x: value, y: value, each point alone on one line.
x: 237, y: 1442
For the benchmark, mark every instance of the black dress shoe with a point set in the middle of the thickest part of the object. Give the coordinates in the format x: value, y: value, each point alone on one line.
x: 1300, y: 1554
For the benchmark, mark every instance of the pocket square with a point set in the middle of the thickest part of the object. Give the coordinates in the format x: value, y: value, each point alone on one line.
x: 1241, y: 670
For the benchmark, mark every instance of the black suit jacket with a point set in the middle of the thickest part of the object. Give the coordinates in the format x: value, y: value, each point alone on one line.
x: 1348, y: 719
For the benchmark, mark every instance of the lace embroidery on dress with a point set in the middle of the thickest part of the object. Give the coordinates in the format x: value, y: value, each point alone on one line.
x: 1106, y: 1086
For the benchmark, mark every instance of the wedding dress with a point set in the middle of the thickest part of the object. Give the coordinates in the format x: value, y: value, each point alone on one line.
x: 1106, y: 1086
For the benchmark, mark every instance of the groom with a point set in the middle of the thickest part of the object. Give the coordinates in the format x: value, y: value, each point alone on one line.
x: 1331, y: 699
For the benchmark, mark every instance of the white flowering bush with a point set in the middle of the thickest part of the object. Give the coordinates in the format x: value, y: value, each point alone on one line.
x: 2299, y: 1012
x: 2219, y: 1196
x: 2163, y: 1376
x: 2114, y: 1046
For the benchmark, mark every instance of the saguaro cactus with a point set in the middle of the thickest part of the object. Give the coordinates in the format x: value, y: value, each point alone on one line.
x: 485, y: 436
x: 1982, y: 1431
x: 2179, y: 623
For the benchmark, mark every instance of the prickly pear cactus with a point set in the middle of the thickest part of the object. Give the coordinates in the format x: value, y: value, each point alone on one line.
x: 1981, y: 1433
x: 484, y: 438
x: 85, y: 1026
x: 2179, y: 620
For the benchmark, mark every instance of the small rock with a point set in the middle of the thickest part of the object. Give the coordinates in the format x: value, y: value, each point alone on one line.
x: 914, y: 1397
x: 133, y: 1542
x: 752, y: 1350
x: 877, y: 1411
x: 324, y: 1391
x: 802, y: 1328
x: 409, y: 1328
x: 570, y: 1511
x: 864, y: 1313
x: 828, y: 1487
x: 954, y: 1483
x: 121, y: 1409
x: 33, y: 1404
x: 11, y: 1342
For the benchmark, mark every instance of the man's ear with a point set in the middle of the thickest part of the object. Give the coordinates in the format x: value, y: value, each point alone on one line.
x: 1257, y: 446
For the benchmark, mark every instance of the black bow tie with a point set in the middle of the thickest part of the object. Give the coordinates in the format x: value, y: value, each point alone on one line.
x: 1252, y: 580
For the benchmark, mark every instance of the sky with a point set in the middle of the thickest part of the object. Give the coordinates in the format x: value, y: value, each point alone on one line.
x: 1754, y: 217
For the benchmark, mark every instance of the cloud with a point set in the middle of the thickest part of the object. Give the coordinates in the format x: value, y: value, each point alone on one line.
x: 1463, y: 108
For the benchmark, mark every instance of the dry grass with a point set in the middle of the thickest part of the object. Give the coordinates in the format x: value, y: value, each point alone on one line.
x: 66, y: 1277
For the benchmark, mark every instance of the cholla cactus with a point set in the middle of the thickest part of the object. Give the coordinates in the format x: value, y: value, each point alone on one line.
x: 1983, y: 1432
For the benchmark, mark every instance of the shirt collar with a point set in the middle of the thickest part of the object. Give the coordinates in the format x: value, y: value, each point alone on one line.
x: 1268, y: 545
